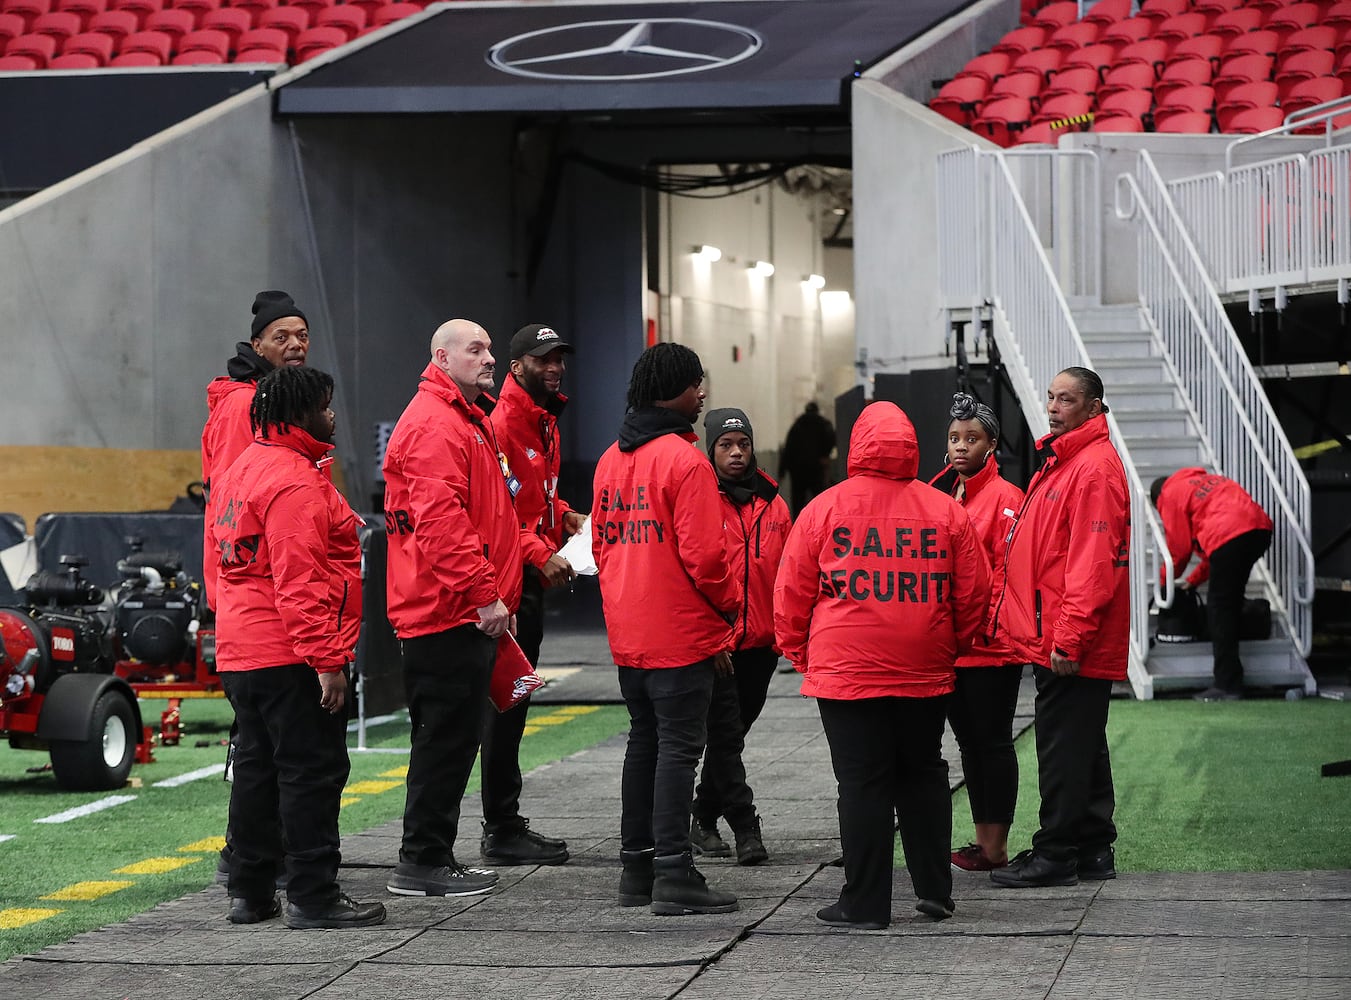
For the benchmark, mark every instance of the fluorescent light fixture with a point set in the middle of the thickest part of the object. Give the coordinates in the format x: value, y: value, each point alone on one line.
x: 836, y: 300
x: 709, y: 253
x: 760, y: 268
x: 814, y: 281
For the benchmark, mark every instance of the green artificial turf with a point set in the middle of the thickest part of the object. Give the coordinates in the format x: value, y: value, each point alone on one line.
x: 185, y: 823
x: 1230, y: 786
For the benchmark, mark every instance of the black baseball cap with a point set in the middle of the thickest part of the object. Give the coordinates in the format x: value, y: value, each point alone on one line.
x: 537, y: 340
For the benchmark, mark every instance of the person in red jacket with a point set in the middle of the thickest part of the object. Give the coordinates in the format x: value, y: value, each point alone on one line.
x: 288, y: 617
x: 453, y: 584
x: 526, y: 423
x: 1214, y: 517
x: 883, y: 585
x: 983, y: 704
x: 1064, y: 606
x: 757, y: 522
x: 669, y: 596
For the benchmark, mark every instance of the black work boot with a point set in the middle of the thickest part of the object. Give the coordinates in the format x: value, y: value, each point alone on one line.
x: 635, y: 881
x: 705, y: 839
x: 679, y: 888
x: 750, y: 845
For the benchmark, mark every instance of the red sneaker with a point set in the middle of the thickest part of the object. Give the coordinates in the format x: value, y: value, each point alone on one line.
x: 972, y: 859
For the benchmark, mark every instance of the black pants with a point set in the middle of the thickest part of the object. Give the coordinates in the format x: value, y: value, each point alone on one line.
x: 445, y: 676
x: 500, y: 756
x: 668, y: 719
x: 981, y: 713
x: 290, y: 768
x: 1074, y: 769
x: 803, y: 485
x: 1230, y: 566
x: 888, y: 759
x: 736, y: 704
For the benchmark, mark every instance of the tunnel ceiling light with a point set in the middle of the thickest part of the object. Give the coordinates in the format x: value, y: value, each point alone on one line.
x: 760, y: 268
x: 814, y: 281
x: 706, y: 252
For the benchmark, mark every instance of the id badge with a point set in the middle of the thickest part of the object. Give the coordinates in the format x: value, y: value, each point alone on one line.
x: 513, y: 484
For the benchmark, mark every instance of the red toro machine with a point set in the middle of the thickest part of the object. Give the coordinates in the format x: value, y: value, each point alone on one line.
x: 74, y: 657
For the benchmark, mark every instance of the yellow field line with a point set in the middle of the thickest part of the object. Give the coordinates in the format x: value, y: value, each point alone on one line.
x: 19, y: 916
x: 86, y: 891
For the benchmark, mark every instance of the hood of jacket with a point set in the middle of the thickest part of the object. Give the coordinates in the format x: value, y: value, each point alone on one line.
x: 247, y: 365
x: 883, y: 443
x: 649, y: 423
x: 296, y: 439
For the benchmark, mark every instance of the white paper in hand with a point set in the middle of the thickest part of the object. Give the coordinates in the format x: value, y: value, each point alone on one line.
x: 577, y: 551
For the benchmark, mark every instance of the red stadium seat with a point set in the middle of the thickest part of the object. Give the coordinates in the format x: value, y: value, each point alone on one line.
x: 156, y: 43
x: 999, y: 120
x: 1062, y: 106
x: 1338, y: 15
x: 17, y: 64
x: 1015, y: 43
x: 956, y: 101
x: 261, y: 38
x: 1107, y: 12
x: 10, y: 25
x: 1133, y: 29
x: 1184, y: 100
x: 198, y: 57
x: 141, y: 8
x: 1323, y: 36
x: 1095, y: 57
x: 1244, y: 98
x: 1256, y: 120
x: 987, y: 67
x: 1040, y: 63
x: 1294, y: 17
x: 39, y: 48
x: 1175, y: 29
x: 254, y: 7
x: 1214, y: 8
x: 261, y: 54
x: 1237, y: 22
x: 74, y: 60
x: 1206, y: 47
x: 136, y: 59
x: 1071, y: 81
x: 116, y: 24
x: 1150, y: 52
x: 230, y: 20
x: 1258, y: 43
x: 392, y: 12
x: 197, y: 8
x: 371, y: 6
x: 1056, y: 15
x: 1238, y: 70
x: 29, y: 10
x: 1039, y: 133
x: 1303, y: 66
x: 319, y: 40
x: 313, y: 7
x: 174, y: 23
x: 90, y: 43
x: 1344, y: 70
x: 1117, y: 123
x: 1133, y: 76
x: 217, y: 43
x: 83, y: 9
x: 1191, y: 122
x: 1024, y: 85
x: 1161, y: 10
x: 1131, y: 103
x: 1191, y: 73
x: 290, y: 20
x: 1074, y: 36
x: 1307, y: 93
x: 351, y: 20
x: 1268, y: 7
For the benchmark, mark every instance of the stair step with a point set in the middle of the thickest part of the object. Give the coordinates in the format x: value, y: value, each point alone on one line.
x: 1097, y: 319
x: 1153, y: 423
x: 1137, y: 369
x: 1149, y: 450
x: 1127, y: 396
x: 1266, y: 663
x: 1119, y: 345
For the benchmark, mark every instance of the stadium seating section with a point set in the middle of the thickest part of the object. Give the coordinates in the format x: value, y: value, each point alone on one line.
x: 1181, y: 66
x: 94, y: 34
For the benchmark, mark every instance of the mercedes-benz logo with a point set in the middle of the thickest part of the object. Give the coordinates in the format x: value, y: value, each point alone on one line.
x: 626, y: 49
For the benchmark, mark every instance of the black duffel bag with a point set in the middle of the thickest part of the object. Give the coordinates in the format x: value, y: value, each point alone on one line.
x: 1185, y: 621
x: 1255, y: 620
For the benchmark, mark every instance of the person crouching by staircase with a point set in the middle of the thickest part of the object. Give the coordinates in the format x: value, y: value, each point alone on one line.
x: 756, y: 523
x: 1215, y: 518
x: 883, y: 584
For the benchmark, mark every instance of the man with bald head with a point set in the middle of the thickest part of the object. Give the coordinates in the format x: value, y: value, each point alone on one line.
x: 454, y: 582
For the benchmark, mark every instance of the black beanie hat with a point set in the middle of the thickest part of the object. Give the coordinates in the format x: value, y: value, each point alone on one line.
x: 268, y: 307
x: 725, y: 421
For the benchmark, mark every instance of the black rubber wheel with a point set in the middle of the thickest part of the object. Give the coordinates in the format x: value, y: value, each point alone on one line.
x: 103, y: 760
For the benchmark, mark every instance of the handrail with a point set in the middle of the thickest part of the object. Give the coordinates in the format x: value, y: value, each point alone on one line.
x: 1226, y: 416
x: 1324, y: 112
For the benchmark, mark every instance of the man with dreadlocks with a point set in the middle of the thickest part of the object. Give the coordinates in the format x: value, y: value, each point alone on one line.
x: 669, y: 595
x: 288, y: 614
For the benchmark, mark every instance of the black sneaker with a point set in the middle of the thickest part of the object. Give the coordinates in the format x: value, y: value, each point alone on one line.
x: 1218, y: 694
x: 248, y: 911
x: 707, y: 841
x: 517, y: 844
x: 342, y: 912
x: 939, y: 909
x: 1097, y: 866
x: 1030, y: 870
x: 440, y: 880
x: 835, y: 916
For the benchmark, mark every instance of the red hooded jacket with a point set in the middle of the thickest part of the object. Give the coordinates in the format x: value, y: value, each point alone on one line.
x: 883, y: 581
x: 1066, y: 579
x: 1203, y: 511
x: 288, y: 559
x: 528, y: 436
x: 992, y: 503
x: 666, y: 584
x: 226, y: 434
x: 756, y: 533
x: 454, y: 541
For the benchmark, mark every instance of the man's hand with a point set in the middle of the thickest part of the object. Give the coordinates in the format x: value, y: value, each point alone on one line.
x: 494, y: 619
x: 722, y: 664
x: 1063, y: 665
x: 1182, y: 585
x: 332, y: 691
x: 557, y: 571
x: 572, y: 522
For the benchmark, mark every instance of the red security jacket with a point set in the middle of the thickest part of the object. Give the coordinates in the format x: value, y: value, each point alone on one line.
x: 454, y: 541
x: 666, y: 583
x: 883, y: 581
x: 1066, y: 579
x: 756, y: 532
x: 226, y: 434
x: 1203, y: 511
x: 528, y: 435
x: 288, y: 559
x: 992, y: 503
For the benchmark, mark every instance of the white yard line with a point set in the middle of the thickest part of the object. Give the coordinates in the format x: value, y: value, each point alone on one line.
x: 85, y: 810
x: 378, y: 720
x: 7, y: 836
x: 211, y: 771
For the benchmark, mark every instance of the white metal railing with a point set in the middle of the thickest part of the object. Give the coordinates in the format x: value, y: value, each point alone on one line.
x: 1329, y: 218
x: 1239, y: 430
x: 990, y: 253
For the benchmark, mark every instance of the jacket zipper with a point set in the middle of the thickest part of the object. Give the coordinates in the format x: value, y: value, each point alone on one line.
x: 342, y: 605
x: 1036, y: 600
